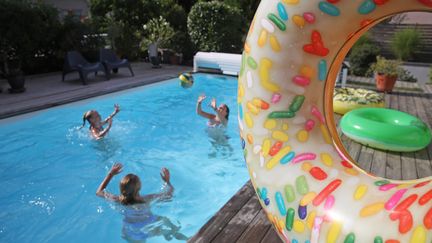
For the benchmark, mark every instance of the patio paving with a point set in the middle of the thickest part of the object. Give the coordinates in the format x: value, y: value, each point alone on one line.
x: 48, y: 90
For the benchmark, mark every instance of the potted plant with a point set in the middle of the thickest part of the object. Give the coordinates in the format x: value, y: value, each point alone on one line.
x: 156, y: 34
x: 386, y: 73
x: 23, y: 27
x: 14, y: 75
x: 15, y: 42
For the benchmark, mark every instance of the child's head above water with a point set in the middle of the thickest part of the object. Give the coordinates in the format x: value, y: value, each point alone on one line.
x: 130, y: 186
x: 225, y: 110
x: 92, y: 117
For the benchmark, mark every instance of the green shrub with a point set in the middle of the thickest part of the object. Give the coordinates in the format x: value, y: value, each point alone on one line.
x: 176, y: 16
x: 181, y: 43
x: 123, y: 20
x: 405, y: 43
x: 28, y: 39
x: 248, y: 9
x: 157, y: 30
x: 361, y: 57
x: 100, y: 7
x: 215, y: 26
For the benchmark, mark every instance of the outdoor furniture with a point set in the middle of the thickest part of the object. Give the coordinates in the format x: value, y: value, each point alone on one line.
x: 111, y: 62
x: 74, y: 61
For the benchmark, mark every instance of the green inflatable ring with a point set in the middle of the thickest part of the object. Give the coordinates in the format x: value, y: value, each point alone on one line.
x: 386, y: 129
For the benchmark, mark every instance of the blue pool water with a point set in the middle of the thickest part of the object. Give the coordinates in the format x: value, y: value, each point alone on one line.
x: 49, y: 170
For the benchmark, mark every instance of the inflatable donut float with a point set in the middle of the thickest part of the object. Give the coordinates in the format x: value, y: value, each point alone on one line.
x: 347, y: 99
x: 386, y: 129
x: 310, y: 188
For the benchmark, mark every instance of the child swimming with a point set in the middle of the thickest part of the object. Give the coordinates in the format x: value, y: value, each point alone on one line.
x: 221, y: 116
x: 96, y: 123
x: 139, y: 222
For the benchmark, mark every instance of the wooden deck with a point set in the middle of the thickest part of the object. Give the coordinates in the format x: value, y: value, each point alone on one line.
x: 242, y: 219
x: 414, y: 100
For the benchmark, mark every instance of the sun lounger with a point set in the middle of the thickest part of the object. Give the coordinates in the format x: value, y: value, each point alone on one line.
x: 111, y: 62
x: 75, y: 62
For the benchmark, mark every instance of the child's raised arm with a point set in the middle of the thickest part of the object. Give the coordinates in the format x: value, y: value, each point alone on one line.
x: 199, y: 110
x: 115, y: 169
x: 116, y: 110
x: 168, y: 190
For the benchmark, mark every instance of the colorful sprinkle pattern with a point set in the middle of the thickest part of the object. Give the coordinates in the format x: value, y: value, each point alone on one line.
x: 308, y: 190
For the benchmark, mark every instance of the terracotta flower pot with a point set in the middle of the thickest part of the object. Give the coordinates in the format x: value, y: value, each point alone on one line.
x: 385, y: 83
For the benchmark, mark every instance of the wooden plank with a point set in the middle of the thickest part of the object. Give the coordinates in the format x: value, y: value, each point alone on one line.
x: 257, y: 229
x: 403, y: 106
x: 393, y: 166
x: 409, y: 170
x: 379, y: 159
x: 423, y: 163
x: 393, y: 162
x: 394, y: 101
x: 365, y: 158
x: 344, y: 139
x: 387, y: 100
x: 426, y: 102
x: 235, y: 227
x: 271, y: 236
x: 354, y: 151
x: 224, y: 215
x: 427, y: 88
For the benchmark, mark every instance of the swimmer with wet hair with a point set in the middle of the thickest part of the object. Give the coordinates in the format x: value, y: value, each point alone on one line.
x: 221, y: 116
x: 139, y: 223
x: 96, y: 124
x: 130, y: 185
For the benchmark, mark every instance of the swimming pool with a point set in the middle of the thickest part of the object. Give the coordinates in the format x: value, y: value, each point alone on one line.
x: 49, y: 170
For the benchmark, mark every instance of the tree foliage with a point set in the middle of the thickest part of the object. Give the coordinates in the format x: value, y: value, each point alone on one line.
x: 247, y: 7
x: 362, y: 55
x: 216, y: 26
x: 122, y: 20
x: 28, y: 30
x: 158, y: 31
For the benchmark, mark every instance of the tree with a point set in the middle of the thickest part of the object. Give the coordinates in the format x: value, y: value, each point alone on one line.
x: 27, y: 30
x: 248, y: 8
x: 124, y: 19
x: 216, y: 26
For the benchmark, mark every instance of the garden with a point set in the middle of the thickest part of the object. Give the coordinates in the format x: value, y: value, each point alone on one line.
x: 38, y: 42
